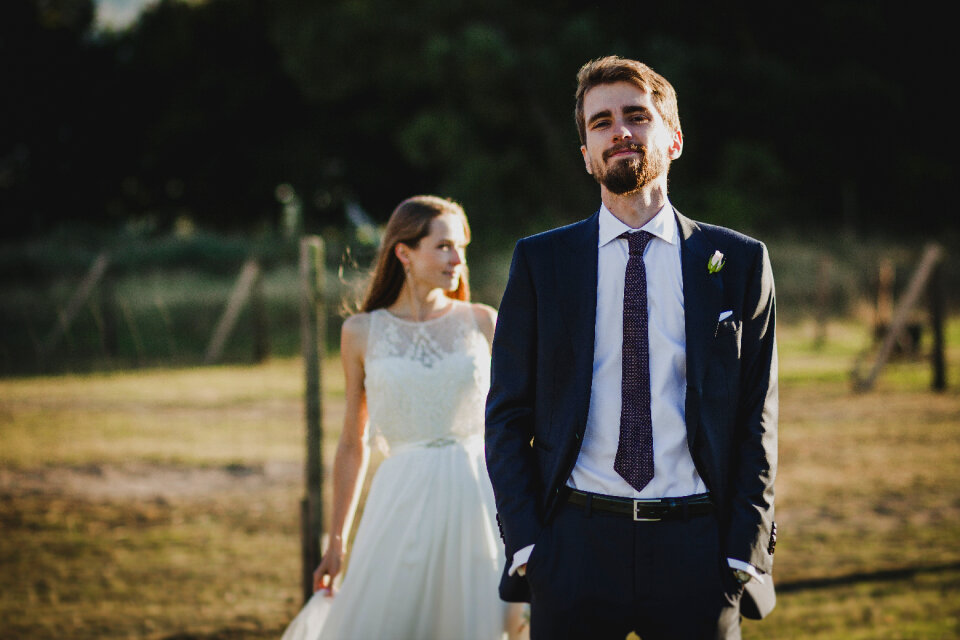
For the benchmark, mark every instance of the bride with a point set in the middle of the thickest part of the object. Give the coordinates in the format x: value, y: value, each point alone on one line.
x: 426, y: 559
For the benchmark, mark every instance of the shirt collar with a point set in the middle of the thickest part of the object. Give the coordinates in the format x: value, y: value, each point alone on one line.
x: 663, y: 225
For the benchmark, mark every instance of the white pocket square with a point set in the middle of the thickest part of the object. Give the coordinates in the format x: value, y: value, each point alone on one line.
x: 724, y: 315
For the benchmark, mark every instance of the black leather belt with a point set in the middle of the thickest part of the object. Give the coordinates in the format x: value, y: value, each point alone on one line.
x: 645, y: 510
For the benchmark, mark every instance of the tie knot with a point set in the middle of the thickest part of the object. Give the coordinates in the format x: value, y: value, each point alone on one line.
x: 637, y: 240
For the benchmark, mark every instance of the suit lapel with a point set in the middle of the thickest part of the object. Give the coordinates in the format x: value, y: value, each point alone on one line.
x: 702, y: 297
x: 576, y: 268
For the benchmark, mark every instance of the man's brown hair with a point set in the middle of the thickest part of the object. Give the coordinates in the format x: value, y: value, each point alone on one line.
x: 611, y: 69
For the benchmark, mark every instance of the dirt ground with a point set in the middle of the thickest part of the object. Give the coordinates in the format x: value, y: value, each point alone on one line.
x: 146, y: 481
x: 165, y: 504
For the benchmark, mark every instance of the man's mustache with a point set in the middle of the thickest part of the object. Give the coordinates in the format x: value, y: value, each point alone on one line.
x: 626, y: 146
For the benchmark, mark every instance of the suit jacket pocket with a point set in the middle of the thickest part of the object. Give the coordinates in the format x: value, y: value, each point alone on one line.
x: 730, y: 326
x: 539, y: 443
x: 541, y: 549
x: 726, y: 341
x: 723, y: 368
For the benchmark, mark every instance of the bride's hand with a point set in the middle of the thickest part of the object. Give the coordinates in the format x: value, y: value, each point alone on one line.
x: 329, y: 567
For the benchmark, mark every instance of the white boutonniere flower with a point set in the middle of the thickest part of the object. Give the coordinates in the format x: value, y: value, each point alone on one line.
x: 716, y: 262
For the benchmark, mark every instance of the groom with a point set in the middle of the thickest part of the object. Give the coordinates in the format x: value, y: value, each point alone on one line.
x: 631, y: 430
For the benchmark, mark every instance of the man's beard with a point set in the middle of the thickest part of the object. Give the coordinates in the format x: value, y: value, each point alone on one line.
x: 630, y: 174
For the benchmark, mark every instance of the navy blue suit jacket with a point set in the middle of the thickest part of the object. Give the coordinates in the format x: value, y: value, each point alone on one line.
x: 543, y: 366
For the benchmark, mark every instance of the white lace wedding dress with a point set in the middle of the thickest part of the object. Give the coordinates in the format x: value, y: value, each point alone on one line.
x: 426, y: 560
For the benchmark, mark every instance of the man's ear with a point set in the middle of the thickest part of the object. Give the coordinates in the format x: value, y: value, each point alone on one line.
x: 676, y: 146
x: 586, y: 159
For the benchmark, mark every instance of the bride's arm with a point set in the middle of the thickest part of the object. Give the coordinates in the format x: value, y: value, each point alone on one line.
x: 350, y: 463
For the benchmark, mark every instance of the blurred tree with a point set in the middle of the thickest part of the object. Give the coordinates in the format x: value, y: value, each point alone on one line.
x: 45, y: 118
x: 831, y: 115
x: 467, y: 99
x: 473, y: 100
x: 214, y: 123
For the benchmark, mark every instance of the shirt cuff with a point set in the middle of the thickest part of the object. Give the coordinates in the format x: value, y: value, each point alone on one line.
x: 520, y: 558
x: 755, y: 573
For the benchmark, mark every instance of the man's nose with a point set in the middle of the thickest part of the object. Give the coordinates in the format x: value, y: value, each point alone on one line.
x: 621, y: 132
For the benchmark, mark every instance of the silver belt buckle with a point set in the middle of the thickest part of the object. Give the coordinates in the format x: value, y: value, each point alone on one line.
x: 636, y: 511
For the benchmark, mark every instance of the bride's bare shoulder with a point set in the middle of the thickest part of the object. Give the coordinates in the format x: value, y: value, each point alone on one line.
x: 354, y: 331
x: 357, y: 322
x: 486, y: 317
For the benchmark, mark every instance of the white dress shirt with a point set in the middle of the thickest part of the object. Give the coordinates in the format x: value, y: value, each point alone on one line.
x: 674, y: 474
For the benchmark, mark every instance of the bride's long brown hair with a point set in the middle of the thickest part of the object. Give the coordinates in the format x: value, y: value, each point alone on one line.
x: 408, y: 224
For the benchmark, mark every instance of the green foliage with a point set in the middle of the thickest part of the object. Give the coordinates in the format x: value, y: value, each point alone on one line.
x: 164, y: 294
x: 802, y: 127
x: 203, y: 108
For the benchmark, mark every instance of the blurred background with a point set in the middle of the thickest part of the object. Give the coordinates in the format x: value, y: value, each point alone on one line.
x: 162, y: 158
x: 183, y: 137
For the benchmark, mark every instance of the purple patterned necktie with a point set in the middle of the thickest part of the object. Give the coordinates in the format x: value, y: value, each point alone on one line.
x: 634, y: 460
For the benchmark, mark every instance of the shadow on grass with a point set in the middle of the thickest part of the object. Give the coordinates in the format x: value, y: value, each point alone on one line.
x: 855, y: 578
x: 782, y: 588
x: 228, y: 634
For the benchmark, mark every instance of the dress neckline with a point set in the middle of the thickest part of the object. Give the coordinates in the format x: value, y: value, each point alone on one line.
x: 447, y: 312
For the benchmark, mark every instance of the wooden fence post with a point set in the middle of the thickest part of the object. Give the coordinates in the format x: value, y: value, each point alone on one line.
x: 131, y: 320
x: 312, y: 340
x: 823, y: 302
x: 65, y: 319
x: 921, y: 276
x: 935, y: 295
x: 884, y: 315
x: 261, y: 334
x: 167, y: 324
x: 108, y: 295
x: 241, y: 291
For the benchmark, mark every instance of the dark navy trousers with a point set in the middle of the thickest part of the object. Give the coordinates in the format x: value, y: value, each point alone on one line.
x: 599, y: 575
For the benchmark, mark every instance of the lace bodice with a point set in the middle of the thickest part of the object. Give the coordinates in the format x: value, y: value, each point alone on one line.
x: 426, y: 382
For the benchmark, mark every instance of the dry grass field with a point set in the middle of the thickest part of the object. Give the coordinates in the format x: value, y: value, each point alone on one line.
x: 163, y: 504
